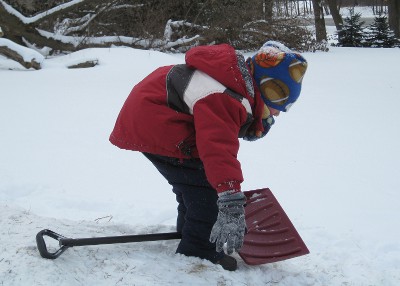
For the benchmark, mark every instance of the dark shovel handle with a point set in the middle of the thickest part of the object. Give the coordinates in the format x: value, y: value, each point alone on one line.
x: 41, y: 244
x: 65, y: 242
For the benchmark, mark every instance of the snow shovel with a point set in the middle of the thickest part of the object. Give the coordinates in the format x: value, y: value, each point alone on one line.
x: 270, y: 237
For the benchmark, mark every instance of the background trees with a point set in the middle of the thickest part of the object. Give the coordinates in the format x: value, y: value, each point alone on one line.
x: 376, y: 35
x: 175, y: 25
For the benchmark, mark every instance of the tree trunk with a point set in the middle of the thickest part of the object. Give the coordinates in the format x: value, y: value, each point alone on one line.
x: 394, y: 16
x: 337, y: 18
x: 320, y: 28
x: 268, y: 5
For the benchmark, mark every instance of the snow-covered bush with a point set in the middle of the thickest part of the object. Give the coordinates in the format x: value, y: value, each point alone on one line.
x: 379, y: 34
x: 376, y: 35
x: 351, y: 34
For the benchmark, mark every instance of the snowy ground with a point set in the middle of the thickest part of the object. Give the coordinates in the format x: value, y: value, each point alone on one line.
x: 332, y: 162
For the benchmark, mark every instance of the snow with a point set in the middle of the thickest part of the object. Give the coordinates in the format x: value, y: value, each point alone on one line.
x: 332, y: 162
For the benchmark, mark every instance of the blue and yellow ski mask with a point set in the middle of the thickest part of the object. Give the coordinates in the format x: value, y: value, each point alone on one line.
x: 278, y: 73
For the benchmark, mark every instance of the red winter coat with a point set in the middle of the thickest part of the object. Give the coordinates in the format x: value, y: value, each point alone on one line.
x: 194, y: 110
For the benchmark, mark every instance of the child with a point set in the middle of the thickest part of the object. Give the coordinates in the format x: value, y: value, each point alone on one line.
x: 186, y: 119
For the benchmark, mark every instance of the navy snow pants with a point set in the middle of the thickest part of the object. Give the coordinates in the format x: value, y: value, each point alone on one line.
x: 197, y: 204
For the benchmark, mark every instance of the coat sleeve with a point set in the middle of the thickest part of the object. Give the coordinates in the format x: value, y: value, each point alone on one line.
x: 218, y: 119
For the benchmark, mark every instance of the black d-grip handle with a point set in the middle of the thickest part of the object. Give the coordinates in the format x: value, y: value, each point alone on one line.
x: 41, y: 244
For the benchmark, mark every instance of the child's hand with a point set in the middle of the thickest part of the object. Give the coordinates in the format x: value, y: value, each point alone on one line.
x: 230, y: 226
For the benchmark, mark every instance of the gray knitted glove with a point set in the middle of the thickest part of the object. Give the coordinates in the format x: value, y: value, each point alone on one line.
x: 230, y: 225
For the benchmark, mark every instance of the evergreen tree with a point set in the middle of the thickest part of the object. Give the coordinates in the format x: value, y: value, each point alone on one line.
x: 380, y: 35
x: 351, y: 34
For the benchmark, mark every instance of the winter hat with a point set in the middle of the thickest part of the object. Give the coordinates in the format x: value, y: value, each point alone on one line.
x: 278, y: 73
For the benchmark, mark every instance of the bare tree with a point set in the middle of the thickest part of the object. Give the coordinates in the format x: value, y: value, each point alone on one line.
x: 337, y: 18
x: 394, y: 16
x: 268, y: 9
x: 320, y: 28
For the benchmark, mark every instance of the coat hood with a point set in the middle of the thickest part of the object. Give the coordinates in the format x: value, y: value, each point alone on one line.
x: 227, y: 66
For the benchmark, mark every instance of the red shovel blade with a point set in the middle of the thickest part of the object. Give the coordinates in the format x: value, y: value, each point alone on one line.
x: 271, y: 236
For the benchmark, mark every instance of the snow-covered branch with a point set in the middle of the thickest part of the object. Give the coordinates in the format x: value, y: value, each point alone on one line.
x: 125, y: 6
x: 65, y: 27
x: 29, y: 20
x: 172, y: 26
x: 76, y: 41
x: 131, y: 41
x: 25, y: 56
x: 174, y: 37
